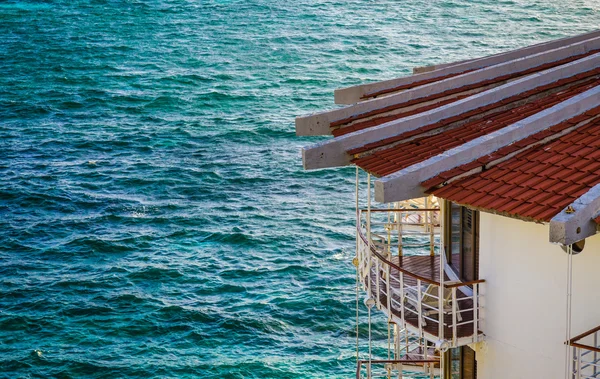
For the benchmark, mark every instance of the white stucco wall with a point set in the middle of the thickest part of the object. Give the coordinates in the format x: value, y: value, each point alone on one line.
x: 525, y: 299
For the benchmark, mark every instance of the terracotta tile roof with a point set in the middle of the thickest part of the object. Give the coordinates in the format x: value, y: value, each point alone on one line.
x: 419, y: 148
x: 537, y: 183
x: 464, y: 116
x: 339, y: 127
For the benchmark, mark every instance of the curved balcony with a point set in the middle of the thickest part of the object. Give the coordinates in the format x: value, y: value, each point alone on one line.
x: 408, y: 287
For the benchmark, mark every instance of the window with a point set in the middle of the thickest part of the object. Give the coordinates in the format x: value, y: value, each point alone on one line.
x: 462, y: 240
x: 461, y: 363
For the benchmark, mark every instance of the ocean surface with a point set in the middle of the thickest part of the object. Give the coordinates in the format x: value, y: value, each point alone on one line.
x: 155, y: 220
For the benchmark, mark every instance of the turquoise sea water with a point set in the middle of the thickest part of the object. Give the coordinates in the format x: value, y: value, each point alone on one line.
x: 155, y: 220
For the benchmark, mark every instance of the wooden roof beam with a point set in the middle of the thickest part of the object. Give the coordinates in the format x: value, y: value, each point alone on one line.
x: 350, y: 95
x: 332, y: 153
x: 319, y: 123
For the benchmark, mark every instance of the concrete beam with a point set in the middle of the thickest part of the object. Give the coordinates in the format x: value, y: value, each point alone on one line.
x: 354, y: 94
x: 406, y: 184
x: 332, y: 153
x: 576, y: 222
x: 318, y: 123
x: 433, y: 67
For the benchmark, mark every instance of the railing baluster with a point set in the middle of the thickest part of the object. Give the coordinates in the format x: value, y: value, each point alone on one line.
x: 441, y: 311
x: 378, y: 278
x: 402, y: 299
x: 579, y: 373
x: 420, y: 307
x: 595, y: 355
x: 454, y: 336
x: 388, y: 289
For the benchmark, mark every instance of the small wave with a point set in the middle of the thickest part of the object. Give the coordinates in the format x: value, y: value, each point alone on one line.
x: 156, y: 274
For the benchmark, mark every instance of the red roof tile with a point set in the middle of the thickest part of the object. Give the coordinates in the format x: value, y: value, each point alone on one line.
x: 540, y: 181
x: 340, y: 127
x: 405, y: 154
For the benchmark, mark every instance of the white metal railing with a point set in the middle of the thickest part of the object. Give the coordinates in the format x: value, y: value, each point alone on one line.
x: 586, y: 355
x: 438, y: 311
x: 406, y: 353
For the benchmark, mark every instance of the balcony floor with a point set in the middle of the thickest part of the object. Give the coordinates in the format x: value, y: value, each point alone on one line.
x: 427, y: 267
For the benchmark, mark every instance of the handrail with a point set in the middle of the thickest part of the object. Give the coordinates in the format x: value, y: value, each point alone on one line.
x: 462, y: 284
x: 391, y: 264
x: 586, y: 347
x: 574, y: 341
x: 404, y: 271
x: 583, y: 335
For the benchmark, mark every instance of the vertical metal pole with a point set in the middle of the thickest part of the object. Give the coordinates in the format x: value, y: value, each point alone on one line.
x: 402, y: 299
x: 441, y: 311
x: 441, y: 294
x: 377, y: 284
x: 579, y: 373
x: 370, y: 356
x: 476, y: 311
x: 574, y: 371
x: 369, y: 208
x: 431, y: 227
x: 399, y: 226
x: 358, y: 260
x: 454, y: 316
x: 389, y: 234
x: 388, y: 285
x: 595, y: 354
x: 420, y: 307
x: 389, y: 370
x: 568, y: 308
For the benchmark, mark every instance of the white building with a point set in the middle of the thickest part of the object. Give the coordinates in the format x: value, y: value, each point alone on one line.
x: 494, y: 163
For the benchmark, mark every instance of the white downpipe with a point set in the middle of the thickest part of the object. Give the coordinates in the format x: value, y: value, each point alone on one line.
x: 370, y: 356
x: 476, y: 312
x: 569, y: 309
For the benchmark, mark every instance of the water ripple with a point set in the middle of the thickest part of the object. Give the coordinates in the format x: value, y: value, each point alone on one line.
x: 155, y: 220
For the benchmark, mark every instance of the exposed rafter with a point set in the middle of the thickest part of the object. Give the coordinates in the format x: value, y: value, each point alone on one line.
x: 354, y: 94
x: 320, y: 123
x: 333, y: 152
